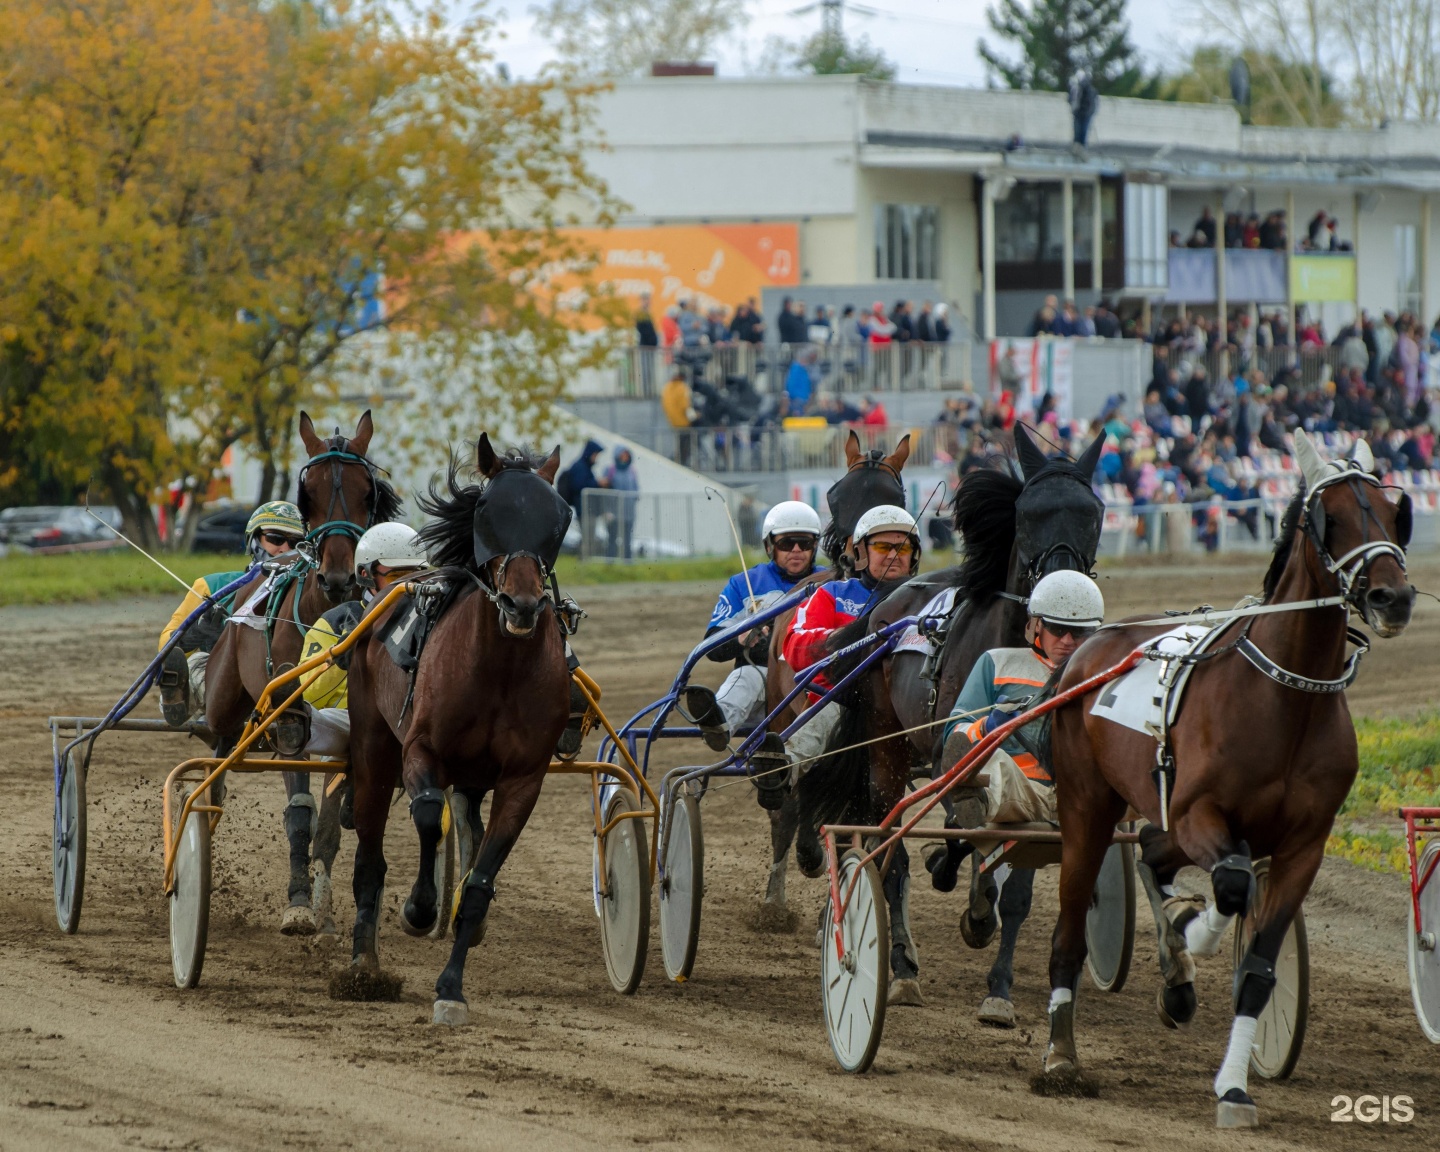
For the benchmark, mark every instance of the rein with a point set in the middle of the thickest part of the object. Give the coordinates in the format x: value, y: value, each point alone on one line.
x: 345, y: 524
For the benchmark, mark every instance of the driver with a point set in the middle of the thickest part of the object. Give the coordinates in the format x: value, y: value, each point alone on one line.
x: 1064, y: 609
x: 272, y: 530
x: 791, y: 533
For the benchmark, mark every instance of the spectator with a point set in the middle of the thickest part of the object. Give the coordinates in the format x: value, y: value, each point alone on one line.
x: 791, y: 322
x: 819, y: 330
x: 1205, y: 229
x: 572, y: 485
x: 1250, y: 235
x: 838, y: 410
x: 645, y: 333
x: 881, y: 330
x: 1418, y: 451
x: 1197, y: 396
x: 1407, y: 357
x: 621, y: 479
x: 716, y: 330
x: 1234, y: 230
x: 1175, y: 241
x: 675, y: 400
x: 1156, y: 415
x: 1085, y: 326
x: 670, y: 327
x: 746, y: 324
x: 1315, y: 235
x: 1107, y: 324
x: 849, y: 331
x: 799, y: 383
x: 925, y: 323
x: 941, y: 327
x: 692, y: 327
x: 873, y: 414
x: 1043, y: 322
x: 900, y: 318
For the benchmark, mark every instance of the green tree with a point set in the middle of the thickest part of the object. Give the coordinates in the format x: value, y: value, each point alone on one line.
x: 833, y: 54
x: 1058, y: 39
x: 624, y: 37
x: 1282, y: 93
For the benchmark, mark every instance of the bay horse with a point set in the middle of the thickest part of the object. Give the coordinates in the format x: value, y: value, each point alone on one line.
x: 490, y: 699
x: 870, y: 479
x: 1263, y: 750
x: 340, y: 494
x: 1014, y: 531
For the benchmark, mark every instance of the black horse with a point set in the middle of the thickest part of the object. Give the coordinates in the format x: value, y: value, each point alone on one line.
x: 1014, y: 531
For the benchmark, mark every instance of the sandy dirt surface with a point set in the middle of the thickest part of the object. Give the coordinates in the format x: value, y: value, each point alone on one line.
x: 99, y: 1050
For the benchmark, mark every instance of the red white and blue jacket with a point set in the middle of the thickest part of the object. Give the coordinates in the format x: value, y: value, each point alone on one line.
x: 833, y: 605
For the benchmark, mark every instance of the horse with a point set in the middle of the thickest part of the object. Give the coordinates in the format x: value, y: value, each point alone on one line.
x: 488, y: 702
x: 1015, y: 530
x: 337, y: 504
x: 1263, y: 751
x: 871, y: 479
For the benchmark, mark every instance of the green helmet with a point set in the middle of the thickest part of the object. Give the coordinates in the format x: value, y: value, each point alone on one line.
x: 277, y: 516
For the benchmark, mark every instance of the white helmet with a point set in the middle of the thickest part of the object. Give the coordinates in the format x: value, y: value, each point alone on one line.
x: 1068, y: 598
x: 885, y: 518
x: 390, y: 545
x: 791, y: 516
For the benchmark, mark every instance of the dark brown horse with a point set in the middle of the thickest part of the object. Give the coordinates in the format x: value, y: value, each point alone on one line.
x: 1263, y: 748
x: 339, y: 494
x: 491, y: 697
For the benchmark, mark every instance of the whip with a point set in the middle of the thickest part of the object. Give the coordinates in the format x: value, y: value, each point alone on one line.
x: 105, y: 523
x: 739, y: 548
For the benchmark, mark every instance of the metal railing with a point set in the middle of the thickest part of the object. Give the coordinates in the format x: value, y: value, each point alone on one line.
x: 770, y: 448
x: 627, y: 526
x: 1316, y: 364
x: 1213, y: 525
x: 836, y: 367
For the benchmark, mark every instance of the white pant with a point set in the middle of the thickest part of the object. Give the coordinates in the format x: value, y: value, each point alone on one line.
x: 329, y: 733
x: 742, y: 697
x: 1012, y: 797
x: 809, y: 743
x: 197, y: 662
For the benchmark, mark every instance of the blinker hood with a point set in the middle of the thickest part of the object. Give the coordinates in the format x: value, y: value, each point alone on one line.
x: 1055, y: 510
x: 865, y: 487
x: 519, y: 512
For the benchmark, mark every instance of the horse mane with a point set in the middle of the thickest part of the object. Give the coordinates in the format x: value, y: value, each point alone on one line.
x: 1289, y: 526
x: 387, y: 502
x: 449, y: 537
x: 985, y: 518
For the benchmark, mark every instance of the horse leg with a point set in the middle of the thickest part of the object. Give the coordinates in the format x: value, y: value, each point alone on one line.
x: 904, y: 956
x: 514, y: 801
x: 1087, y: 838
x: 1291, y: 875
x: 299, y: 917
x: 1015, y: 898
x: 427, y: 810
x: 372, y: 809
x: 1160, y: 859
x: 782, y: 835
x: 324, y: 848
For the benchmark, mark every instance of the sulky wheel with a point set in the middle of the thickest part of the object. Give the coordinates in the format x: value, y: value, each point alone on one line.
x: 445, y: 865
x: 681, y: 888
x: 1424, y: 957
x: 625, y: 912
x: 854, y: 986
x: 68, y: 858
x: 190, y: 899
x: 1280, y: 1032
x: 1110, y: 923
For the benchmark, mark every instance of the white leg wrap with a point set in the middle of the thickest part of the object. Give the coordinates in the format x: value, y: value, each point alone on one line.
x: 1235, y: 1072
x: 1203, y: 934
x: 1059, y: 996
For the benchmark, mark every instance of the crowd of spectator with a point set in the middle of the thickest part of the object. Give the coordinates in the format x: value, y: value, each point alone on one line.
x: 1250, y: 230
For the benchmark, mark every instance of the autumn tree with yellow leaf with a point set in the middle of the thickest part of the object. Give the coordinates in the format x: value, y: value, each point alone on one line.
x: 200, y: 199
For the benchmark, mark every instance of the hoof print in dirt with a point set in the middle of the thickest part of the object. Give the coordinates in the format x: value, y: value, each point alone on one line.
x: 362, y: 984
x: 773, y: 919
x: 1066, y: 1082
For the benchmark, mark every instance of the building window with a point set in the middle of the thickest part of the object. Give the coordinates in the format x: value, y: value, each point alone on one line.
x: 1147, y: 235
x: 1407, y: 270
x: 907, y: 242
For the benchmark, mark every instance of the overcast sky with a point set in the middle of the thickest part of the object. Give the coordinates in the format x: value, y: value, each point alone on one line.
x: 931, y: 41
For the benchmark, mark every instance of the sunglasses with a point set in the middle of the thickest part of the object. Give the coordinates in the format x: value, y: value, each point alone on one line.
x: 794, y: 543
x: 277, y: 538
x: 1061, y: 631
x: 886, y: 548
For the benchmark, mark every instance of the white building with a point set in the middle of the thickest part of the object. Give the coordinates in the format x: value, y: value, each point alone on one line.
x: 983, y: 194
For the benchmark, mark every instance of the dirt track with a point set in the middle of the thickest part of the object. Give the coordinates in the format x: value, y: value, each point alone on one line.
x: 99, y: 1050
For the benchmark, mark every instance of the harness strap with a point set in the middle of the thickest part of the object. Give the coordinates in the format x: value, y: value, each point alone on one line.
x: 1247, y: 648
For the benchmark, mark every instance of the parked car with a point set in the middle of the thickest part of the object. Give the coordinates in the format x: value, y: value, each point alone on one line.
x: 58, y: 527
x: 222, y: 531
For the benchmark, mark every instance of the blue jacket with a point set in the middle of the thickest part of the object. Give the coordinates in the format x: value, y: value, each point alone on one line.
x: 769, y: 583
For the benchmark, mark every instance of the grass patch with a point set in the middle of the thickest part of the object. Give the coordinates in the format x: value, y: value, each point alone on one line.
x: 1399, y: 767
x: 72, y: 577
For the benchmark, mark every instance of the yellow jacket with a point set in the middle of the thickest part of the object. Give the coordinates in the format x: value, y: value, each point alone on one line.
x: 331, y: 689
x: 202, y: 588
x: 675, y: 399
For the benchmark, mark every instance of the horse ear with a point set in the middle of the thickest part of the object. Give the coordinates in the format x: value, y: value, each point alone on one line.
x: 1404, y: 519
x: 313, y: 444
x: 1090, y: 458
x: 897, y: 458
x: 853, y: 455
x: 485, y: 459
x: 547, y: 470
x: 1312, y: 467
x: 363, y: 431
x: 1028, y: 452
x: 1362, y: 456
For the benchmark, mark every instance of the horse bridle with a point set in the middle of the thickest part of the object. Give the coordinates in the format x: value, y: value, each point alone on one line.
x: 1352, y: 569
x: 1036, y: 566
x: 345, y: 525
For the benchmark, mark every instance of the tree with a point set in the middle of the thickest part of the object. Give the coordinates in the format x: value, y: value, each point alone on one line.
x: 624, y: 37
x: 1058, y: 39
x: 832, y: 54
x: 205, y: 205
x: 1280, y: 91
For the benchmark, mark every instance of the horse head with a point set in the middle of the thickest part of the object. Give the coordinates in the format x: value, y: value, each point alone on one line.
x: 1357, y: 535
x: 520, y: 522
x: 871, y: 479
x: 340, y: 501
x: 1057, y: 515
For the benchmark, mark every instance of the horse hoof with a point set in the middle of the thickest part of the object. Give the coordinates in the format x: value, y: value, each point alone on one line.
x: 414, y: 924
x: 298, y: 920
x: 1236, y: 1110
x: 944, y: 872
x: 451, y: 1013
x: 1176, y: 1006
x: 328, y: 930
x: 1059, y: 1063
x: 979, y: 933
x: 997, y: 1012
x: 905, y: 993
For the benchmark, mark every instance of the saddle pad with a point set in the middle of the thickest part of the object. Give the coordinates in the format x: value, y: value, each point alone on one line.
x: 405, y: 634
x: 912, y: 639
x: 251, y: 613
x: 1137, y: 699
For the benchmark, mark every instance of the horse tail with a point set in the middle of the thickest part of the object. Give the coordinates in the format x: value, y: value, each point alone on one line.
x: 833, y: 790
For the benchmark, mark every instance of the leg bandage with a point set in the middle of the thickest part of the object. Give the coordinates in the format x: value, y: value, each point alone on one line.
x: 1204, y: 933
x: 1059, y: 996
x: 1235, y: 1072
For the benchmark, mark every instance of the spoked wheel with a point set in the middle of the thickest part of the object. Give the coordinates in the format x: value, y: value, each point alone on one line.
x: 1424, y: 958
x: 682, y: 888
x: 445, y: 866
x: 68, y: 859
x: 1110, y: 923
x: 190, y: 900
x: 625, y: 911
x: 854, y: 986
x: 1280, y: 1031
